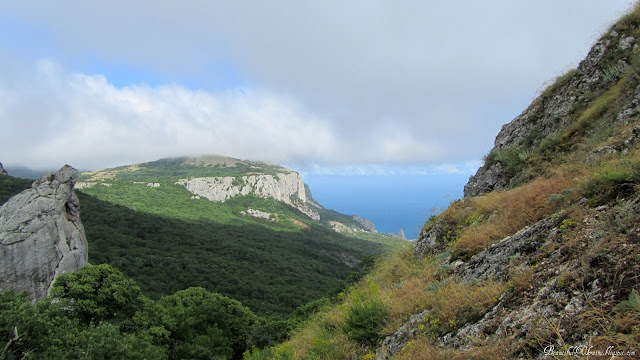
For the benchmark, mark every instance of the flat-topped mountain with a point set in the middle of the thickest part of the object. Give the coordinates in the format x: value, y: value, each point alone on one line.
x: 217, y: 179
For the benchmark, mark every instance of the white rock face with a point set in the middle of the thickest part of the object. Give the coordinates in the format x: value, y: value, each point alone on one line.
x: 257, y: 213
x: 286, y: 187
x: 41, y: 235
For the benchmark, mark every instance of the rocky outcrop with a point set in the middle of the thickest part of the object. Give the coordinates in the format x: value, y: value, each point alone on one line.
x: 2, y: 170
x: 394, y: 343
x: 563, y: 275
x: 286, y: 187
x: 496, y: 260
x: 430, y: 240
x: 41, y: 235
x: 552, y: 111
x: 310, y: 200
x: 366, y: 224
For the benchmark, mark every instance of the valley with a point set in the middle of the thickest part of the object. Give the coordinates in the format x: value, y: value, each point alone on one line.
x: 535, y: 256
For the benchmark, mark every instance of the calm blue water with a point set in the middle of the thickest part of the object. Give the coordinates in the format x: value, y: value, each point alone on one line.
x: 391, y: 202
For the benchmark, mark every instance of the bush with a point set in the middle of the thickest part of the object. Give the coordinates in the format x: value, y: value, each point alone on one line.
x: 612, y: 181
x: 365, y: 320
x: 514, y: 160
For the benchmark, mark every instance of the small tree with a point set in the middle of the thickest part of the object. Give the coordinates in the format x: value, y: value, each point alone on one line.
x: 96, y: 293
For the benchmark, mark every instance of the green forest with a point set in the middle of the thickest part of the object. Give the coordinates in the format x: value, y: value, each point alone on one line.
x: 98, y: 313
x: 270, y: 271
x: 168, y: 288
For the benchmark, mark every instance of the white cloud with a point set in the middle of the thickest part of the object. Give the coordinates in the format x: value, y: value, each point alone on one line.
x: 54, y: 116
x: 401, y: 82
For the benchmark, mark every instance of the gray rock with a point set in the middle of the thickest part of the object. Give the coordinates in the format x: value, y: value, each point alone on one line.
x: 367, y: 224
x: 486, y: 180
x: 601, y: 153
x: 285, y: 187
x: 547, y: 115
x: 392, y: 344
x: 626, y: 42
x: 632, y: 140
x: 2, y: 170
x: 428, y: 240
x: 41, y: 235
x: 495, y: 261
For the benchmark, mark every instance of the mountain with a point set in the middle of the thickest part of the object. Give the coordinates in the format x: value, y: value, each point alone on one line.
x: 211, y: 186
x: 247, y: 230
x: 540, y: 258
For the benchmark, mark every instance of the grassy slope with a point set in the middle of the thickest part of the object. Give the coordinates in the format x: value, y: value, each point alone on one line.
x: 551, y: 177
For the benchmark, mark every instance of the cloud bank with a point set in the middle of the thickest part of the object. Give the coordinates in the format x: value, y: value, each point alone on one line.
x: 389, y: 83
x: 83, y: 120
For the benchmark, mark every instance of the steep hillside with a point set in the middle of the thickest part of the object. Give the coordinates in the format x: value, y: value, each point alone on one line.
x: 541, y: 257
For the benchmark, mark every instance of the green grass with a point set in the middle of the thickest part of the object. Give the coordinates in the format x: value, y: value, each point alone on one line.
x: 559, y: 82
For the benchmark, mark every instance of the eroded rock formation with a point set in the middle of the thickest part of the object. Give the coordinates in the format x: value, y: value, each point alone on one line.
x: 41, y: 235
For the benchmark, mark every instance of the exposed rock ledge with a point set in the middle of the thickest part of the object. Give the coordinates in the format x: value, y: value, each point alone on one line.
x: 286, y: 187
x: 41, y: 235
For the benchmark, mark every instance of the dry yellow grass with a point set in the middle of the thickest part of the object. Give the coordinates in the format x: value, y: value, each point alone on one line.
x: 423, y: 349
x: 510, y: 211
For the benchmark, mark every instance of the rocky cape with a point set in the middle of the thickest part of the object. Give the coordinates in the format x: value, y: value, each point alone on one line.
x: 41, y: 235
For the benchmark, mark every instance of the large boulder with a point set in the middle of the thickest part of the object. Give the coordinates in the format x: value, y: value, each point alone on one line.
x: 41, y: 235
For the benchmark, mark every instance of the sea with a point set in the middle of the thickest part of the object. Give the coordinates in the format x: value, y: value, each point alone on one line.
x: 391, y: 202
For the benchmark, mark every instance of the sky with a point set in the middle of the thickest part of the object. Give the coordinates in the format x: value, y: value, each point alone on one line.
x: 410, y: 94
x: 320, y: 86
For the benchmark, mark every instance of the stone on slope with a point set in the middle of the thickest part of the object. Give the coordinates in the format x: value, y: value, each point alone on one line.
x: 41, y: 235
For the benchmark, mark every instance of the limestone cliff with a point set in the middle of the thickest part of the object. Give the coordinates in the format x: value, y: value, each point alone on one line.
x: 286, y: 187
x: 41, y: 235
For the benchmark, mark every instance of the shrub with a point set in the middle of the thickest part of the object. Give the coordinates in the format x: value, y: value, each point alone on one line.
x: 365, y: 320
x: 514, y: 160
x: 612, y: 180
